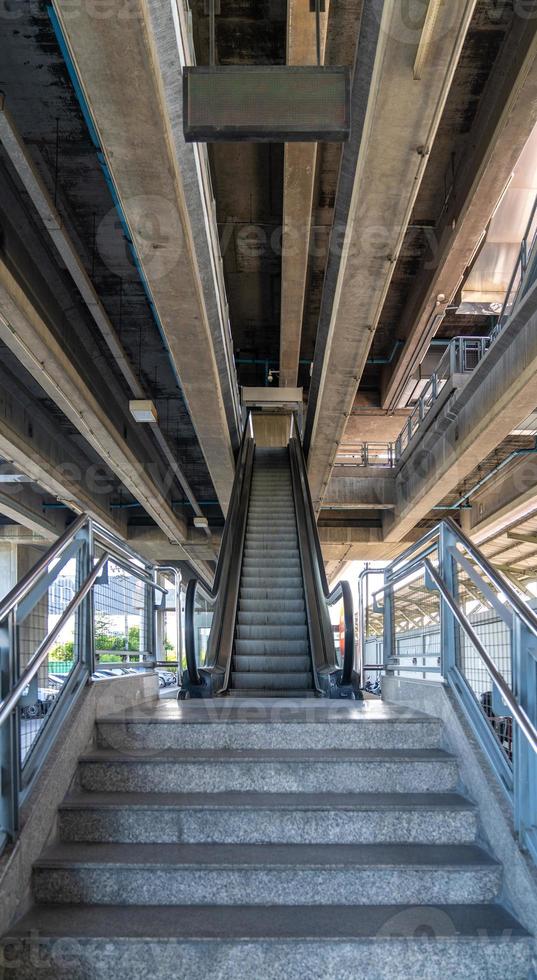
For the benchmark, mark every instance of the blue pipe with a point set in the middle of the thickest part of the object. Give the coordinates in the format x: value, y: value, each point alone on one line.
x: 129, y: 506
x: 86, y: 112
x: 397, y: 345
x: 514, y: 455
x: 175, y: 503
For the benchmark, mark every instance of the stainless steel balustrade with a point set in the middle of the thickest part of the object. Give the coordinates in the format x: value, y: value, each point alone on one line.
x: 49, y: 604
x: 381, y: 454
x: 523, y: 274
x: 462, y: 356
x: 487, y: 652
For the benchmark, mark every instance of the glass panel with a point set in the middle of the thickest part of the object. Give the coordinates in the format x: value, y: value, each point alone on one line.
x: 119, y: 620
x: 203, y: 618
x: 35, y: 620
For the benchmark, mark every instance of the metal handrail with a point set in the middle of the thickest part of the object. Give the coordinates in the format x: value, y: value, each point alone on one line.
x: 212, y: 592
x: 452, y: 362
x: 9, y: 703
x: 342, y: 590
x: 26, y: 583
x: 526, y: 614
x: 114, y: 549
x: 514, y: 763
x: 522, y: 264
x: 525, y: 723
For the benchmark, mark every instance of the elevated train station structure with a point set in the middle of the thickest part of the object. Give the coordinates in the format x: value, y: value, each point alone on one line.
x: 268, y: 309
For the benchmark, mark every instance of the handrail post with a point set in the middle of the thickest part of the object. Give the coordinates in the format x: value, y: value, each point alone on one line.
x: 149, y: 641
x: 448, y: 626
x: 9, y: 733
x: 524, y: 686
x: 85, y: 614
x: 388, y: 623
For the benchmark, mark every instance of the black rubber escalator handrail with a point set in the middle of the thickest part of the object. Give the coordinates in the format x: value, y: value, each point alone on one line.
x: 212, y: 592
x: 343, y: 589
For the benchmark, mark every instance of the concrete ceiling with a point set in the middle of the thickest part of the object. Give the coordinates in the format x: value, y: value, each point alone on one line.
x: 42, y: 102
x: 428, y: 172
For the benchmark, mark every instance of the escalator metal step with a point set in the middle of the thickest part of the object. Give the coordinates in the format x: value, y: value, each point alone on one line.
x: 272, y: 665
x: 289, y: 681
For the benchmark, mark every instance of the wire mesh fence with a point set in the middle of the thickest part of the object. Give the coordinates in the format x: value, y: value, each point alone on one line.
x: 416, y: 618
x: 495, y: 633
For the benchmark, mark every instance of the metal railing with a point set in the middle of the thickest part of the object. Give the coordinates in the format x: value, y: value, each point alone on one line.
x: 485, y: 648
x: 524, y: 273
x: 331, y: 679
x: 381, y: 454
x: 462, y: 356
x: 89, y: 602
x: 208, y: 650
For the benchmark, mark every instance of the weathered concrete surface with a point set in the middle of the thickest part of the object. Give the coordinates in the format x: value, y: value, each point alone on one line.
x: 370, y: 487
x: 115, y: 60
x: 508, y: 113
x: 50, y: 459
x: 373, y: 425
x: 24, y: 507
x: 360, y: 544
x: 26, y: 334
x: 398, y: 118
x: 299, y: 179
x: 498, y: 396
x: 153, y: 544
x: 508, y: 499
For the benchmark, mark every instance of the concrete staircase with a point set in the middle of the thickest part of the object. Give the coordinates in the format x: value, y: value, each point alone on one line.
x: 242, y: 840
x: 271, y: 655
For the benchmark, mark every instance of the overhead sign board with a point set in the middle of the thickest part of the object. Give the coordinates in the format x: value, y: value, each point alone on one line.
x: 273, y: 103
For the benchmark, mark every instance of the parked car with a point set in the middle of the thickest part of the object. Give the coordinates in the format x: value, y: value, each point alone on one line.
x: 168, y: 677
x: 46, y: 697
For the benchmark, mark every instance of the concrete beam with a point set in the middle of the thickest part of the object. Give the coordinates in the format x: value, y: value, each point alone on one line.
x: 507, y: 115
x: 153, y: 545
x: 300, y: 160
x: 49, y: 458
x: 511, y: 497
x: 24, y: 507
x: 13, y: 535
x: 52, y: 221
x: 395, y: 120
x: 29, y: 338
x: 374, y: 425
x: 118, y: 64
x: 367, y: 488
x: 358, y: 544
x: 498, y: 396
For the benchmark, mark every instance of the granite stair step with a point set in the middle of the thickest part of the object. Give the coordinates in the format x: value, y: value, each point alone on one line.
x: 304, y: 874
x: 268, y: 818
x: 241, y: 942
x: 266, y: 770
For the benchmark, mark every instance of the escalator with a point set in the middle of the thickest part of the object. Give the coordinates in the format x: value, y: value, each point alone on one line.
x: 271, y: 652
x: 264, y: 629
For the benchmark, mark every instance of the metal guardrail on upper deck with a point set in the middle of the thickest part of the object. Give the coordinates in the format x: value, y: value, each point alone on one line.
x: 524, y: 273
x: 460, y: 358
x: 381, y: 454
